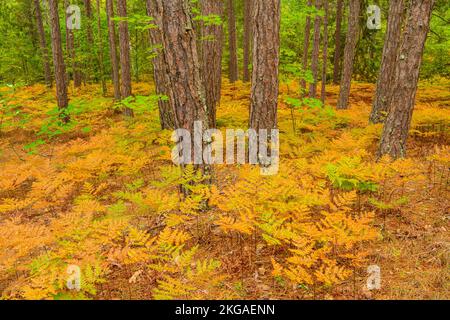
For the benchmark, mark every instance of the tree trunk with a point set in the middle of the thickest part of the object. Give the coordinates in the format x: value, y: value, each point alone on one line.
x: 70, y: 46
x: 101, y: 62
x: 337, y: 42
x: 388, y: 62
x: 232, y: 43
x: 349, y: 53
x: 58, y: 59
x: 247, y: 38
x: 306, y: 46
x: 186, y: 92
x: 90, y: 38
x: 315, y: 53
x: 160, y: 78
x: 124, y: 46
x: 113, y: 49
x: 325, y: 51
x: 212, y: 44
x: 266, y: 46
x: 401, y: 103
x: 43, y: 44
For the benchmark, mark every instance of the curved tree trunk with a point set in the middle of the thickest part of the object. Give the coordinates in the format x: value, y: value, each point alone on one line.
x: 337, y: 42
x: 401, y: 103
x: 112, y: 49
x: 266, y: 46
x: 162, y: 84
x: 43, y: 44
x: 388, y: 62
x: 232, y: 43
x: 58, y: 59
x: 349, y: 53
x: 315, y: 53
x: 212, y: 44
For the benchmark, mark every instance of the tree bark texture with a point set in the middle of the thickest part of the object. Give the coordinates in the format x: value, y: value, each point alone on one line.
x: 349, y: 53
x: 401, y: 103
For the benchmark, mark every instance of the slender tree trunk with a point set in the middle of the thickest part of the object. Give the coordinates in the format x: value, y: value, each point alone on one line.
x: 166, y: 116
x: 232, y: 43
x: 325, y: 51
x: 58, y: 59
x: 71, y: 52
x: 124, y: 46
x: 337, y: 42
x: 388, y: 62
x: 349, y: 53
x: 90, y: 39
x: 401, y: 104
x: 212, y: 45
x: 113, y: 49
x: 306, y: 47
x: 247, y: 38
x: 101, y: 62
x: 315, y: 53
x: 266, y: 46
x: 186, y: 92
x: 43, y: 44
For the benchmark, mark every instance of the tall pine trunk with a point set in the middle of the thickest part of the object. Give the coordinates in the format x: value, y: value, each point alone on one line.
x: 266, y: 46
x: 247, y: 39
x: 58, y: 59
x: 166, y: 117
x: 401, y: 104
x: 43, y: 44
x: 325, y: 51
x: 388, y: 62
x: 71, y: 52
x: 232, y: 43
x: 212, y: 44
x: 124, y: 48
x: 182, y: 65
x: 337, y: 42
x: 101, y: 62
x: 90, y: 39
x: 113, y: 49
x: 306, y: 47
x: 315, y: 52
x: 349, y: 53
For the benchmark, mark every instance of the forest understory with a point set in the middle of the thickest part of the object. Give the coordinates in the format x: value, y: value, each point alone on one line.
x: 102, y: 193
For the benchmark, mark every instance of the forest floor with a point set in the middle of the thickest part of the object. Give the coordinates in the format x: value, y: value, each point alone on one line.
x: 102, y: 193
